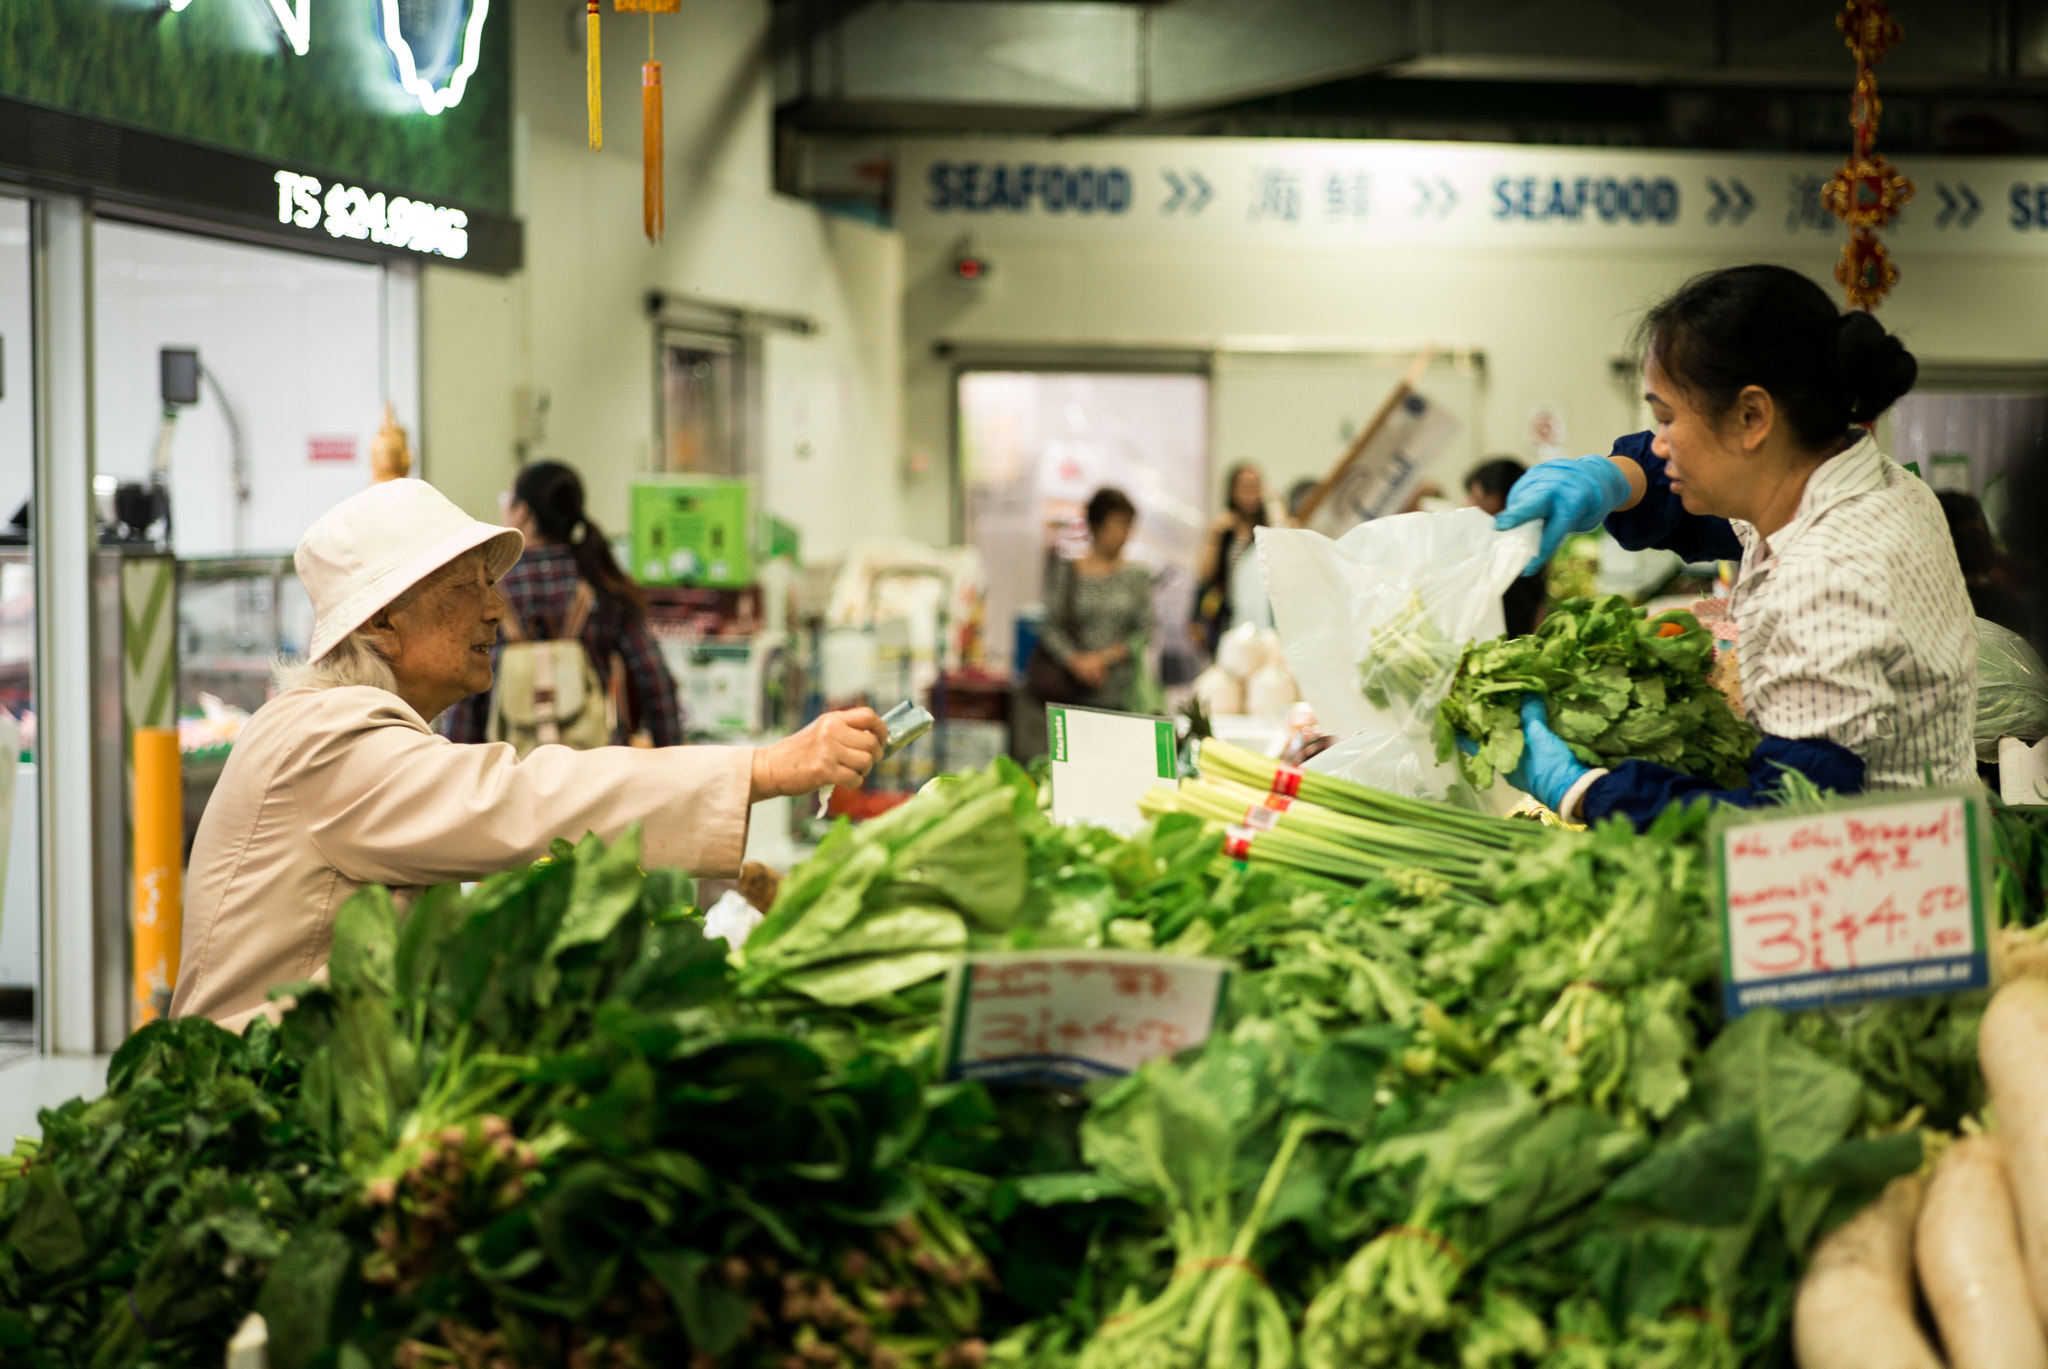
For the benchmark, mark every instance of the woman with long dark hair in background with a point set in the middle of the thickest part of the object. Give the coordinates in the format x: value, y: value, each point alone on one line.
x: 565, y: 550
x: 1228, y: 589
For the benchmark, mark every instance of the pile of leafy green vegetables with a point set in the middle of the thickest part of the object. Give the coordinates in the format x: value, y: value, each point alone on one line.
x: 1619, y: 686
x: 548, y: 1125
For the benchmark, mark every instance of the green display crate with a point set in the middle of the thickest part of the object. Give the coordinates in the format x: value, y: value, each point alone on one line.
x: 692, y: 530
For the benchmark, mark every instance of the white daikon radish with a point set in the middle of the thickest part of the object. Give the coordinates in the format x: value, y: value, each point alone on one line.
x: 1242, y: 651
x: 1855, y: 1305
x: 1966, y: 1246
x: 1219, y: 691
x: 2012, y: 1047
x: 1270, y: 692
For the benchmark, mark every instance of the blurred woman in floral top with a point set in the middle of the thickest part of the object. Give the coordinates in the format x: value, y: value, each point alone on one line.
x: 565, y: 549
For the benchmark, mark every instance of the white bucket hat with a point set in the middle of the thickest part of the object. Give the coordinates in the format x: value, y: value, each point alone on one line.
x: 374, y: 546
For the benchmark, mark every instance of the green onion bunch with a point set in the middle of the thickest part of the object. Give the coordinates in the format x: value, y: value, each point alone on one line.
x: 1222, y: 761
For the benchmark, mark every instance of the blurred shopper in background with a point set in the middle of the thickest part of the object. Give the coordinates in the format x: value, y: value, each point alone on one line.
x: 1978, y: 556
x: 1098, y: 610
x: 1489, y: 482
x: 565, y: 554
x: 1487, y: 488
x: 1229, y: 587
x: 1297, y: 501
x: 2026, y: 513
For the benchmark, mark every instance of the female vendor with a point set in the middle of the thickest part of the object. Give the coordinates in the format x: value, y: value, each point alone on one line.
x: 339, y: 782
x: 1857, y: 645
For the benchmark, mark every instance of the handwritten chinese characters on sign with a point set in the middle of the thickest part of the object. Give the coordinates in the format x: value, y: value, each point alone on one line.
x: 1864, y: 901
x: 1071, y: 1016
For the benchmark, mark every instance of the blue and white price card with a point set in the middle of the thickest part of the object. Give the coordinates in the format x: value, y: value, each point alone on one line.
x: 1866, y: 899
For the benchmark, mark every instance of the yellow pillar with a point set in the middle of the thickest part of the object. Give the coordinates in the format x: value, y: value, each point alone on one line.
x: 159, y: 869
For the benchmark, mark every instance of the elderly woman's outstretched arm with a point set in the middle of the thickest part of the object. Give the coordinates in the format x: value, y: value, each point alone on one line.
x: 385, y: 802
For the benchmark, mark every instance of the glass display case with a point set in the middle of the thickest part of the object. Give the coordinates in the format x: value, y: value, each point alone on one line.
x: 235, y: 613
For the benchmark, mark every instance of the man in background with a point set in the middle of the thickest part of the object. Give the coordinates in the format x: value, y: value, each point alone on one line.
x: 1486, y: 487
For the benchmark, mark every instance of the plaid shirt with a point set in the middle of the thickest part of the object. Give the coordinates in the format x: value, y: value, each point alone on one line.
x: 540, y: 589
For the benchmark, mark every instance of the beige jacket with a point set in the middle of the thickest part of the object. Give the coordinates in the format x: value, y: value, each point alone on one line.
x: 331, y: 789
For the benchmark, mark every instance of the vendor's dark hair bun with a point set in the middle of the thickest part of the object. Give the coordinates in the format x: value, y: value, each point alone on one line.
x: 1771, y: 327
x: 1876, y: 368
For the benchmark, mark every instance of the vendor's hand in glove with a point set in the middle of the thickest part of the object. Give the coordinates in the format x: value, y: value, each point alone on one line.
x: 1569, y: 495
x: 838, y: 748
x: 1548, y: 769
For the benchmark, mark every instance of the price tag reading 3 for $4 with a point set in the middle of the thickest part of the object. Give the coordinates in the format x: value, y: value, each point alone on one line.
x: 1869, y: 899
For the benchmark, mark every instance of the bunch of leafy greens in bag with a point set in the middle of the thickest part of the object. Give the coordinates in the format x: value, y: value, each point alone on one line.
x: 140, y: 1226
x: 1406, y: 658
x: 1619, y: 687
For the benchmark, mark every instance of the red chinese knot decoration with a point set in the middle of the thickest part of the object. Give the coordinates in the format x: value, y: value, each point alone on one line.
x: 1866, y: 192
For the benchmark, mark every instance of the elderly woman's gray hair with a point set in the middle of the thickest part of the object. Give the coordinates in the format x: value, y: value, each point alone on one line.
x: 354, y: 660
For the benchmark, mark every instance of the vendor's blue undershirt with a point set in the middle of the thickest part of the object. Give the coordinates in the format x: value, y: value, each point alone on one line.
x: 1639, y: 790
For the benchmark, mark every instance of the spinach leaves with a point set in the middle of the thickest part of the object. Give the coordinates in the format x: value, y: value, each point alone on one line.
x: 1619, y: 686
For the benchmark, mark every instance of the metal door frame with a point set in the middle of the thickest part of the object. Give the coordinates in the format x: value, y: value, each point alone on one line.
x: 69, y: 775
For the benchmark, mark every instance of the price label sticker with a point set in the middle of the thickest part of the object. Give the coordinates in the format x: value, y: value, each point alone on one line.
x: 1867, y: 899
x: 1104, y: 763
x: 1065, y: 1017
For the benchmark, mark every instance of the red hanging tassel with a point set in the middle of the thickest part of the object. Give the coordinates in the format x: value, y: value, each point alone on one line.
x: 653, y: 210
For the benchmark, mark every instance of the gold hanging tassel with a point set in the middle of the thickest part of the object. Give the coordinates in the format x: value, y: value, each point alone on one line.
x: 593, y: 77
x: 652, y: 209
x: 653, y: 213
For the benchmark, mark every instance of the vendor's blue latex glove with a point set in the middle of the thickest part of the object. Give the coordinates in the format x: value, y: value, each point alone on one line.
x: 1548, y: 769
x: 1569, y: 495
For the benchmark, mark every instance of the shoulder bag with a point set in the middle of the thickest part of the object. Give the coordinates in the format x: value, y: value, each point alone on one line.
x: 548, y: 692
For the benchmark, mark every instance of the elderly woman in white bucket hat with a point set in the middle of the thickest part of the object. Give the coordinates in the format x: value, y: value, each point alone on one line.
x: 339, y: 782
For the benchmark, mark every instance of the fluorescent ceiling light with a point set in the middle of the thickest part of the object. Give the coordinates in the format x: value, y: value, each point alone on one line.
x: 431, y: 100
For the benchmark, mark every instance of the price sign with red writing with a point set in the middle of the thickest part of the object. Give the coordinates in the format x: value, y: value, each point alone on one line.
x: 1067, y: 1017
x: 1866, y: 899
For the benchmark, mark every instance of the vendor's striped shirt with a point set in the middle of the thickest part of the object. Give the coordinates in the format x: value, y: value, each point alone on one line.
x: 1856, y: 627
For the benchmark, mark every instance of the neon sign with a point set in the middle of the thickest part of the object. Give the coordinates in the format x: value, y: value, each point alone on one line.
x: 431, y: 100
x: 348, y: 211
x: 296, y: 24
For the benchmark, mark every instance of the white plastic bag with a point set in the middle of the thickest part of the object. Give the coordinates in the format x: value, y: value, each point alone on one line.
x: 732, y: 918
x: 2012, y: 689
x: 1388, y: 608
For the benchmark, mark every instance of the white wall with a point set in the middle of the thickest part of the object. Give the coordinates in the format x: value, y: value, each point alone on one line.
x: 1550, y: 317
x: 572, y: 325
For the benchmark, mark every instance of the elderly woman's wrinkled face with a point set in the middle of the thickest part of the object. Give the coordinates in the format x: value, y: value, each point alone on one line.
x: 439, y: 639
